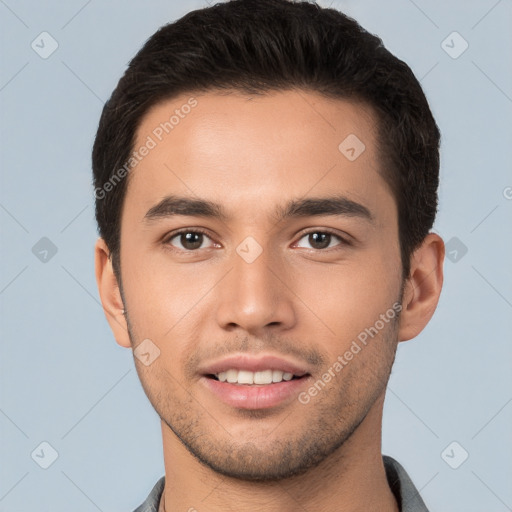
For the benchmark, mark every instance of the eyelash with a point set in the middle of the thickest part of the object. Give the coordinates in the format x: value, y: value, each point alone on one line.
x: 173, y: 235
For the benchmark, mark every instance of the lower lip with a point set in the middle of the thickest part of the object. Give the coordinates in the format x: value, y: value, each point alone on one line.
x: 242, y: 396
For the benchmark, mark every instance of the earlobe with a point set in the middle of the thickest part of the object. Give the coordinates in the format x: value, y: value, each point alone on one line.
x: 423, y: 288
x: 110, y: 294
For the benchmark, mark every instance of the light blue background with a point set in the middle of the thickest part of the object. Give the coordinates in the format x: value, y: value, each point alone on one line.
x: 63, y: 378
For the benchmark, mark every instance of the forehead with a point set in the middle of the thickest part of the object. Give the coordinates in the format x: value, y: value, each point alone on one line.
x: 250, y: 151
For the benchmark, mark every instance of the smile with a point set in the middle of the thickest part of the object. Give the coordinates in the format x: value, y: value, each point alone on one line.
x: 234, y: 376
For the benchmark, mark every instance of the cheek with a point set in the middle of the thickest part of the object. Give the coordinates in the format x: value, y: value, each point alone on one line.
x: 163, y: 298
x: 344, y: 299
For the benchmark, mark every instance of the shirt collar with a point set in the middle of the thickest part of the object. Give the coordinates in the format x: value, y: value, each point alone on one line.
x: 406, y: 494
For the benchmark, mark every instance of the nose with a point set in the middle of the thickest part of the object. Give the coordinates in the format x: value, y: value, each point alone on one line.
x: 256, y: 295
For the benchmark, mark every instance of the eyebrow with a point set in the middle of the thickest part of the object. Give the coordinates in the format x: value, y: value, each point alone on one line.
x: 173, y: 205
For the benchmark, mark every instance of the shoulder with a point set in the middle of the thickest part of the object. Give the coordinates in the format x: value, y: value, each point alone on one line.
x: 407, y: 496
x: 152, y: 502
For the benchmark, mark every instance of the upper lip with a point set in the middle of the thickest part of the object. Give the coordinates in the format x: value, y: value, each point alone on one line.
x: 253, y: 364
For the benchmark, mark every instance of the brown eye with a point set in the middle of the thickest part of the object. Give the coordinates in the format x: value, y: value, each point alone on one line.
x: 320, y: 240
x: 187, y: 240
x: 191, y: 240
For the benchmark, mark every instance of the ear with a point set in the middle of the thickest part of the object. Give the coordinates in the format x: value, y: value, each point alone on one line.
x: 423, y: 287
x: 110, y: 294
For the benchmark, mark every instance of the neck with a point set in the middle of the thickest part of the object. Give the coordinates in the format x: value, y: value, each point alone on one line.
x: 351, y: 479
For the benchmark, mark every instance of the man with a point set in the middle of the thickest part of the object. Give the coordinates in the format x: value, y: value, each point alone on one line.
x: 266, y: 181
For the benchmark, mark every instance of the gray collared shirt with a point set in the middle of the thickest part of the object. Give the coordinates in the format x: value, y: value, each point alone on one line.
x: 406, y: 494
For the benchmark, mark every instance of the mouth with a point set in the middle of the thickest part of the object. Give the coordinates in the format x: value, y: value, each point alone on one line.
x: 248, y: 382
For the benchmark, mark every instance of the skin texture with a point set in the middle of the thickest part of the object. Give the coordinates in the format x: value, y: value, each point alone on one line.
x: 297, y: 299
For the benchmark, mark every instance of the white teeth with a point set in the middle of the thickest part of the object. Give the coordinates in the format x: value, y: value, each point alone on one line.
x: 246, y: 377
x: 277, y: 376
x: 264, y: 377
x: 232, y: 376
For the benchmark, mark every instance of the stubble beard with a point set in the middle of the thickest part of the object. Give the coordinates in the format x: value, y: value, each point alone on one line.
x: 295, y: 445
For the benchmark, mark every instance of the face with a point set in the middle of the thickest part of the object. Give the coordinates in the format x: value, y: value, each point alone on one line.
x: 293, y: 288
